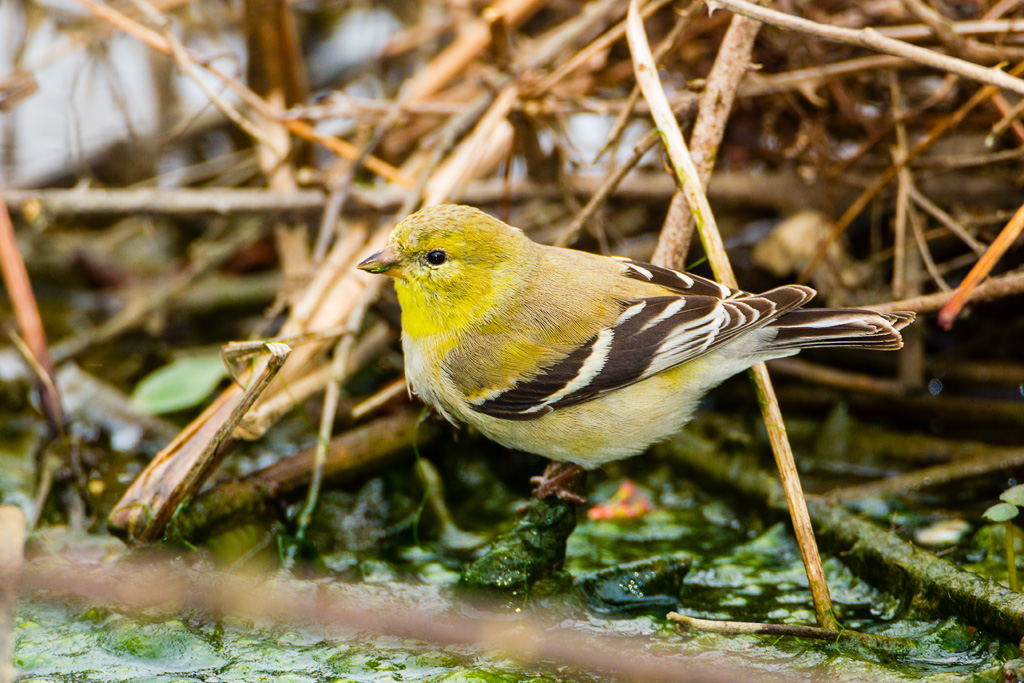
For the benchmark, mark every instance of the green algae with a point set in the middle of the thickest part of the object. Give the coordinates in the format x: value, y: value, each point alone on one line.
x: 57, y: 642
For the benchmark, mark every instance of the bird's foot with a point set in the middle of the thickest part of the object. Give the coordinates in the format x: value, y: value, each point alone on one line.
x: 560, y: 480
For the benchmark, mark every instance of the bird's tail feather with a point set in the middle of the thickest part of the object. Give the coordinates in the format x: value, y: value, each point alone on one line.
x: 845, y: 327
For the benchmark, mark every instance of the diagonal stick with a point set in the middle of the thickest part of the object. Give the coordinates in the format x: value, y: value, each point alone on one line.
x: 688, y: 178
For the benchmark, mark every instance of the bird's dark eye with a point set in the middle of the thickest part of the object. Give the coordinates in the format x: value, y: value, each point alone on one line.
x: 436, y: 257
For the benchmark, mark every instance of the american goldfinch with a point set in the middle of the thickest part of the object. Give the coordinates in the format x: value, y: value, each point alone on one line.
x: 577, y: 357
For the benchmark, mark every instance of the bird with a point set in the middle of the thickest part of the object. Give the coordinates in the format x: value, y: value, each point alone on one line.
x: 578, y: 357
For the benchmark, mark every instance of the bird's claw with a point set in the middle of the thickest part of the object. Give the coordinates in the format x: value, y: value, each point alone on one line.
x: 555, y: 483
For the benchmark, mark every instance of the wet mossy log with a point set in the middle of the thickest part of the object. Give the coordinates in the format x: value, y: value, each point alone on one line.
x: 355, y: 453
x: 875, y: 554
x: 531, y: 552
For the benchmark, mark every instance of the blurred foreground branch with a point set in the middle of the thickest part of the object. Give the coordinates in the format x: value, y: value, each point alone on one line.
x: 348, y: 609
x: 12, y: 549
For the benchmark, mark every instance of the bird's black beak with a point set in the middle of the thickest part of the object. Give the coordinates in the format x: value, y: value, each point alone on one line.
x: 387, y: 259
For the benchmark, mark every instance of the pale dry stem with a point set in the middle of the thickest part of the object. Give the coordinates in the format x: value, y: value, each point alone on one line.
x: 647, y: 76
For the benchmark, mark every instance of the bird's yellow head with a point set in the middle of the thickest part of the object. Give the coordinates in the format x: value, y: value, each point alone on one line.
x: 454, y: 266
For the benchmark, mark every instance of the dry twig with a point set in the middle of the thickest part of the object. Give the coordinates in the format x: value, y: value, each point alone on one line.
x: 330, y: 407
x: 26, y: 312
x: 875, y: 40
x: 647, y: 76
x: 841, y: 379
x: 1007, y: 236
x: 995, y: 288
x: 715, y: 105
x: 471, y: 41
x: 168, y: 482
x: 572, y: 231
x: 688, y: 623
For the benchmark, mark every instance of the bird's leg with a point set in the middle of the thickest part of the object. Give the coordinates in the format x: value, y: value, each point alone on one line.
x: 559, y: 481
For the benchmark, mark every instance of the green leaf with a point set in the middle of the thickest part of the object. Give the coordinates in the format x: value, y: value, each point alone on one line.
x: 1000, y: 512
x: 1014, y: 495
x: 185, y: 383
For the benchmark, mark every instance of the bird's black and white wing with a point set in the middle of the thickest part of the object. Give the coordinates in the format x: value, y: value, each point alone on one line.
x: 677, y: 281
x: 651, y: 335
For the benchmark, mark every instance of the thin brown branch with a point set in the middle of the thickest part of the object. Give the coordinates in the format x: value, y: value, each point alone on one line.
x: 472, y: 40
x: 377, y: 445
x: 995, y: 288
x: 925, y: 250
x: 478, y: 151
x: 16, y: 87
x: 715, y: 105
x: 953, y: 225
x: 967, y: 48
x: 166, y: 493
x: 1005, y: 109
x: 840, y: 379
x: 371, y: 109
x: 570, y: 233
x: 188, y: 66
x: 810, y: 79
x: 1007, y: 236
x: 26, y: 312
x: 873, y: 39
x: 394, y: 390
x: 332, y: 395
x: 899, y: 266
x: 595, y: 47
x: 1010, y: 118
x: 989, y: 26
x: 683, y: 21
x: 103, y: 202
x: 970, y: 49
x: 687, y: 623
